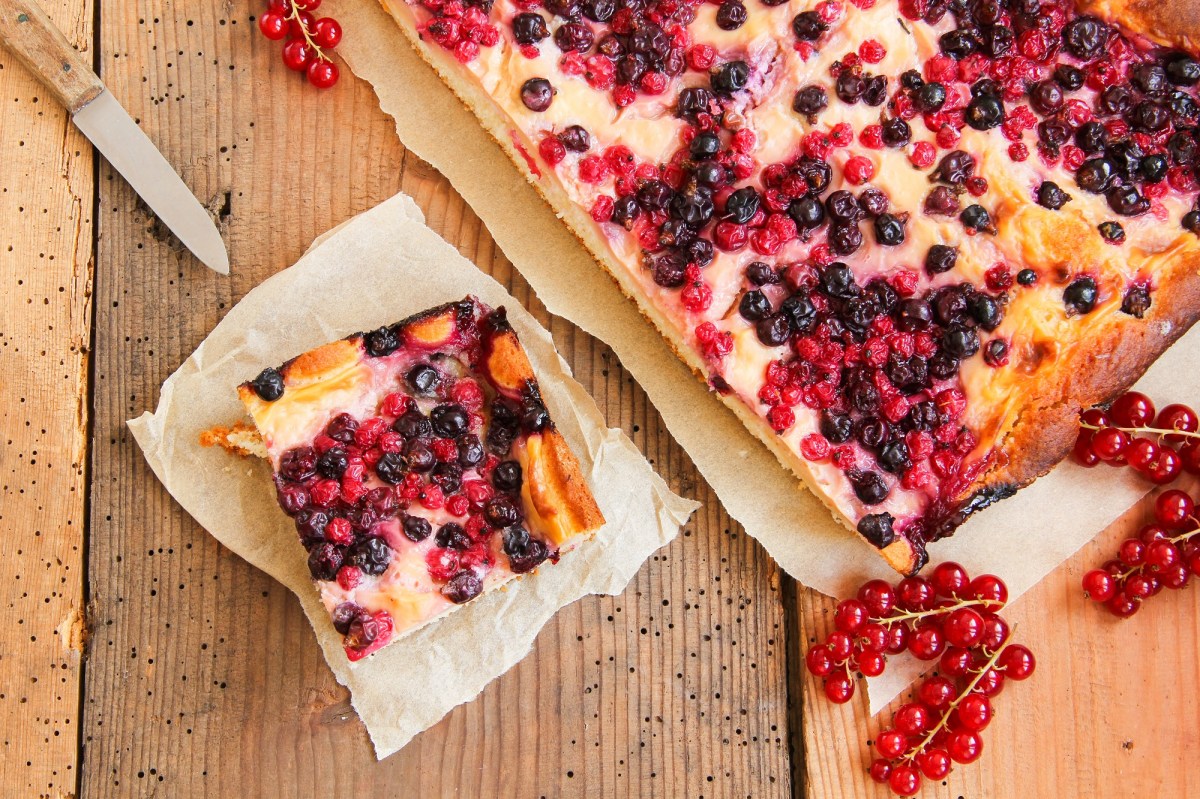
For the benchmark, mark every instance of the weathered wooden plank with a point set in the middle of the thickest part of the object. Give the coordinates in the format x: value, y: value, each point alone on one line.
x: 1108, y: 714
x: 46, y: 197
x: 204, y: 677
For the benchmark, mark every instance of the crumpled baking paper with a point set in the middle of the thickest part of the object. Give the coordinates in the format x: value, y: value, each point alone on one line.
x: 376, y: 269
x: 1021, y: 539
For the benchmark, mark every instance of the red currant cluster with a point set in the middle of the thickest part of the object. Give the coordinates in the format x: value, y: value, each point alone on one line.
x: 949, y: 618
x: 1162, y: 555
x: 1130, y: 433
x: 308, y: 38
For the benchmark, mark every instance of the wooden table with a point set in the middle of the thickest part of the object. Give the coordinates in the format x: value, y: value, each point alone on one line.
x: 140, y: 658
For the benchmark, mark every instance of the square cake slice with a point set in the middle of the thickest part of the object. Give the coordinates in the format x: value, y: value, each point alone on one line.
x: 421, y: 468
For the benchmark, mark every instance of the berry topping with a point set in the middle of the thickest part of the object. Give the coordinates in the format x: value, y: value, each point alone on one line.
x: 268, y: 385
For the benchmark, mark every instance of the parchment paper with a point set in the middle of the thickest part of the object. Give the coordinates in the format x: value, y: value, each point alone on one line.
x: 1021, y: 539
x: 378, y: 268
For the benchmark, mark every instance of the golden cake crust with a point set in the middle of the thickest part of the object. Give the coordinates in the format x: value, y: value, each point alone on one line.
x: 1171, y: 23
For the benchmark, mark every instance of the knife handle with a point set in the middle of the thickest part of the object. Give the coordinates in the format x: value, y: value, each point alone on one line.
x: 38, y: 44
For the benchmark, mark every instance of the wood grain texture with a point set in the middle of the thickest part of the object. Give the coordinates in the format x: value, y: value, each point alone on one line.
x: 204, y: 678
x: 46, y: 193
x: 1108, y: 714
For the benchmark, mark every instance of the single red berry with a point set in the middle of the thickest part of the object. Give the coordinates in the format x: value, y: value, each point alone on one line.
x: 891, y: 743
x: 303, y: 21
x: 912, y: 719
x: 1123, y: 606
x: 859, y: 170
x: 956, y: 662
x: 840, y: 645
x: 873, y: 637
x: 1151, y: 533
x: 327, y: 32
x: 819, y: 661
x: 904, y: 781
x: 1099, y: 585
x: 871, y: 664
x: 1083, y: 453
x: 850, y: 615
x: 1177, y: 417
x: 964, y: 747
x: 1173, y: 508
x: 839, y: 688
x: 991, y: 589
x: 1189, y: 453
x: 1017, y: 662
x: 922, y: 155
x: 348, y: 577
x: 897, y: 639
x: 995, y: 631
x: 949, y: 579
x: 1132, y: 409
x: 273, y: 25
x: 936, y: 692
x: 1139, y: 586
x: 927, y: 642
x: 1095, y: 417
x: 878, y: 596
x: 297, y: 55
x: 934, y: 763
x: 1109, y: 443
x: 1132, y: 552
x: 915, y: 594
x: 974, y: 712
x: 1162, y: 555
x: 963, y: 628
x: 880, y: 770
x: 991, y: 682
x: 1141, y: 454
x: 1166, y: 468
x: 322, y: 73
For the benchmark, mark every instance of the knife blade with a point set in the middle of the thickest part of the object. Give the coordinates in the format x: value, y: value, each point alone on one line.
x: 28, y: 33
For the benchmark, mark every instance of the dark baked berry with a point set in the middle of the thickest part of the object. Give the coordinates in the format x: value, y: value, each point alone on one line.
x: 1094, y: 175
x: 995, y: 353
x: 896, y: 132
x: 1051, y: 196
x: 507, y: 476
x: 372, y: 555
x: 836, y: 427
x: 423, y: 379
x: 837, y: 280
x: 742, y: 205
x: 1182, y: 148
x: 451, y: 535
x: 872, y: 432
x: 911, y: 80
x: 958, y: 43
x: 1069, y: 77
x: 343, y: 615
x: 1183, y: 70
x: 310, y: 526
x: 985, y: 112
x: 1136, y: 300
x: 844, y: 206
x: 470, y: 451
x: 324, y: 560
x: 599, y: 10
x: 501, y: 511
x: 693, y: 101
x: 760, y: 273
x: 807, y: 212
x: 960, y: 342
x: 298, y: 463
x: 448, y: 421
x: 849, y: 86
x: 1112, y: 232
x: 529, y: 28
x: 731, y: 15
x: 976, y: 217
x: 954, y: 168
x: 268, y: 385
x: 893, y: 457
x: 810, y: 101
x: 915, y: 314
x: 341, y: 428
x: 416, y: 528
x: 940, y: 258
x: 1091, y: 137
x: 877, y: 529
x: 875, y: 90
x: 537, y: 94
x: 730, y: 77
x: 985, y: 311
x: 873, y: 201
x: 413, y: 425
x: 463, y: 587
x: 576, y: 139
x: 808, y: 26
x: 1191, y: 221
x: 1085, y: 37
x: 525, y: 553
x: 333, y: 463
x: 704, y: 146
x: 391, y: 468
x: 447, y: 476
x: 1127, y: 200
x: 754, y: 306
x: 1027, y: 277
x: 1080, y: 295
x: 574, y: 37
x: 869, y: 487
x: 942, y: 201
x: 774, y: 330
x: 1149, y: 78
x: 889, y: 230
x: 1046, y: 97
x: 381, y: 342
x: 930, y: 97
x: 1150, y: 117
x: 997, y: 41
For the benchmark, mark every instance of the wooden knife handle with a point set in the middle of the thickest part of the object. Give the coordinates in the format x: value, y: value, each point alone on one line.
x: 30, y: 35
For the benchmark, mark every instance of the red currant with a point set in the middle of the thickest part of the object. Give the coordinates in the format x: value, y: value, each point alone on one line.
x: 871, y: 664
x: 963, y: 628
x: 991, y: 682
x: 1151, y: 533
x: 873, y: 637
x: 297, y: 55
x: 322, y: 73
x: 1017, y: 662
x: 880, y: 770
x: 891, y: 743
x: 1083, y: 454
x: 1141, y: 454
x: 819, y: 661
x: 936, y: 692
x: 905, y: 781
x: 915, y: 594
x: 1139, y: 586
x: 898, y: 639
x: 927, y: 642
x: 839, y: 645
x: 934, y: 763
x: 273, y: 25
x: 1095, y: 417
x: 1109, y: 443
x: 839, y: 689
x: 975, y: 711
x: 1161, y: 555
x: 956, y: 662
x: 1173, y: 508
x: 991, y: 589
x: 1132, y: 552
x: 1190, y: 454
x: 1175, y: 576
x: 1099, y: 585
x: 1177, y: 417
x: 1122, y: 605
x: 878, y: 596
x: 912, y: 719
x: 964, y: 747
x: 949, y: 579
x: 850, y: 615
x: 1132, y: 409
x: 327, y: 32
x: 1166, y: 468
x: 995, y: 631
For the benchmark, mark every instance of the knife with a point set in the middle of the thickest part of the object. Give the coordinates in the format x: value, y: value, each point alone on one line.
x: 30, y: 35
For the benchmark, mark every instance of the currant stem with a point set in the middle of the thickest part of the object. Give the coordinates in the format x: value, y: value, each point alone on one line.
x: 945, y: 719
x: 1160, y: 431
x: 294, y: 16
x: 887, y: 621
